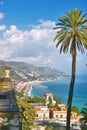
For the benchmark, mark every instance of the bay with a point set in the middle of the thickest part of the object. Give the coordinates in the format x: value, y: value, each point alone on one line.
x: 60, y: 88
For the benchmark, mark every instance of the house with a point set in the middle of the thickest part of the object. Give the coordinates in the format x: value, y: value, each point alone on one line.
x: 42, y: 112
x: 60, y: 114
x: 74, y: 117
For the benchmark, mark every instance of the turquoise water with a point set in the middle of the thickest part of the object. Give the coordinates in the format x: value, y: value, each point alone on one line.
x: 60, y: 89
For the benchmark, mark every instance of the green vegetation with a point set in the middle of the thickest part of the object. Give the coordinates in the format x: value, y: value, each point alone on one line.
x: 18, y: 68
x: 2, y: 70
x: 35, y: 100
x: 75, y: 109
x: 58, y: 101
x: 1, y: 73
x: 7, y: 67
x: 50, y: 105
x: 1, y: 76
x: 84, y: 114
x: 27, y: 114
x: 84, y: 127
x: 84, y: 118
x: 71, y: 35
x: 18, y: 94
x: 50, y: 127
x: 5, y: 127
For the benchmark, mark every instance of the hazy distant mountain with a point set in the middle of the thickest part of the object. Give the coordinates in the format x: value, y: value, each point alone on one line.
x: 25, y: 72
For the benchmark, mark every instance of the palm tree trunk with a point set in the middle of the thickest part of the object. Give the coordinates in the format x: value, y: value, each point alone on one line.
x: 69, y: 104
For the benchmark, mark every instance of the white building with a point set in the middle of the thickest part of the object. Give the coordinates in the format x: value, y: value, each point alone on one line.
x: 42, y: 112
x: 47, y: 96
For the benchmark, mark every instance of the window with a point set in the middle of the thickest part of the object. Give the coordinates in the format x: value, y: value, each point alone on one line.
x: 56, y: 116
x: 43, y: 115
x: 36, y: 115
x: 61, y: 116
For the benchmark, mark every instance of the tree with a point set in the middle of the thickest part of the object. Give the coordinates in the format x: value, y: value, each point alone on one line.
x: 7, y: 67
x: 84, y: 117
x: 58, y: 101
x: 27, y: 114
x: 1, y: 73
x: 50, y: 105
x: 71, y: 35
x: 35, y: 100
x: 84, y: 114
x: 75, y: 109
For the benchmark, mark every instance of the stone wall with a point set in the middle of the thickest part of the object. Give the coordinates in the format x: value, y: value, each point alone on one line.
x: 9, y: 124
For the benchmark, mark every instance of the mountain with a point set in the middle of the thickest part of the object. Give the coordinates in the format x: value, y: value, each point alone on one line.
x: 22, y: 71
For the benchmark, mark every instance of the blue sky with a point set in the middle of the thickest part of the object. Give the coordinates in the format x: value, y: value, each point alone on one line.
x: 26, y: 32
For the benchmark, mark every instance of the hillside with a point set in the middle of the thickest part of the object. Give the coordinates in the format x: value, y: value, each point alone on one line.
x: 22, y: 71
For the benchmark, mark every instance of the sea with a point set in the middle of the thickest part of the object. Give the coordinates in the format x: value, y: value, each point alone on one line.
x: 60, y: 89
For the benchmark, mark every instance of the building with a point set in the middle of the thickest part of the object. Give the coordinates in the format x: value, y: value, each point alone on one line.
x: 47, y: 96
x: 9, y: 113
x: 7, y: 96
x: 42, y: 112
x: 60, y: 114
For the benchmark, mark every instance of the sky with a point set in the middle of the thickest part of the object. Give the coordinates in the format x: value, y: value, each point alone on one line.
x: 26, y: 32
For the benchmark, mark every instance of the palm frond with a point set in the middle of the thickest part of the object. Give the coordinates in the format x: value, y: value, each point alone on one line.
x: 74, y: 25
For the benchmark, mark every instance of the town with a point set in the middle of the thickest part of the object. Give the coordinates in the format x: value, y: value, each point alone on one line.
x: 47, y: 110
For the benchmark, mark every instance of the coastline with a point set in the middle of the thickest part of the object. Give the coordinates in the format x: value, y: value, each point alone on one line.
x: 31, y: 86
x: 26, y: 87
x: 38, y: 82
x: 29, y: 91
x: 60, y: 89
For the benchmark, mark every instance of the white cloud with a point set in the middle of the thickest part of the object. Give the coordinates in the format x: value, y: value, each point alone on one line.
x: 1, y: 15
x: 42, y: 36
x: 5, y: 52
x: 44, y: 24
x: 2, y: 27
x: 34, y: 60
x: 34, y: 46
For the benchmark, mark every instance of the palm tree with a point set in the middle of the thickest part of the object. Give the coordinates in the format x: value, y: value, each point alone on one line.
x: 84, y: 117
x: 84, y: 114
x: 71, y: 35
